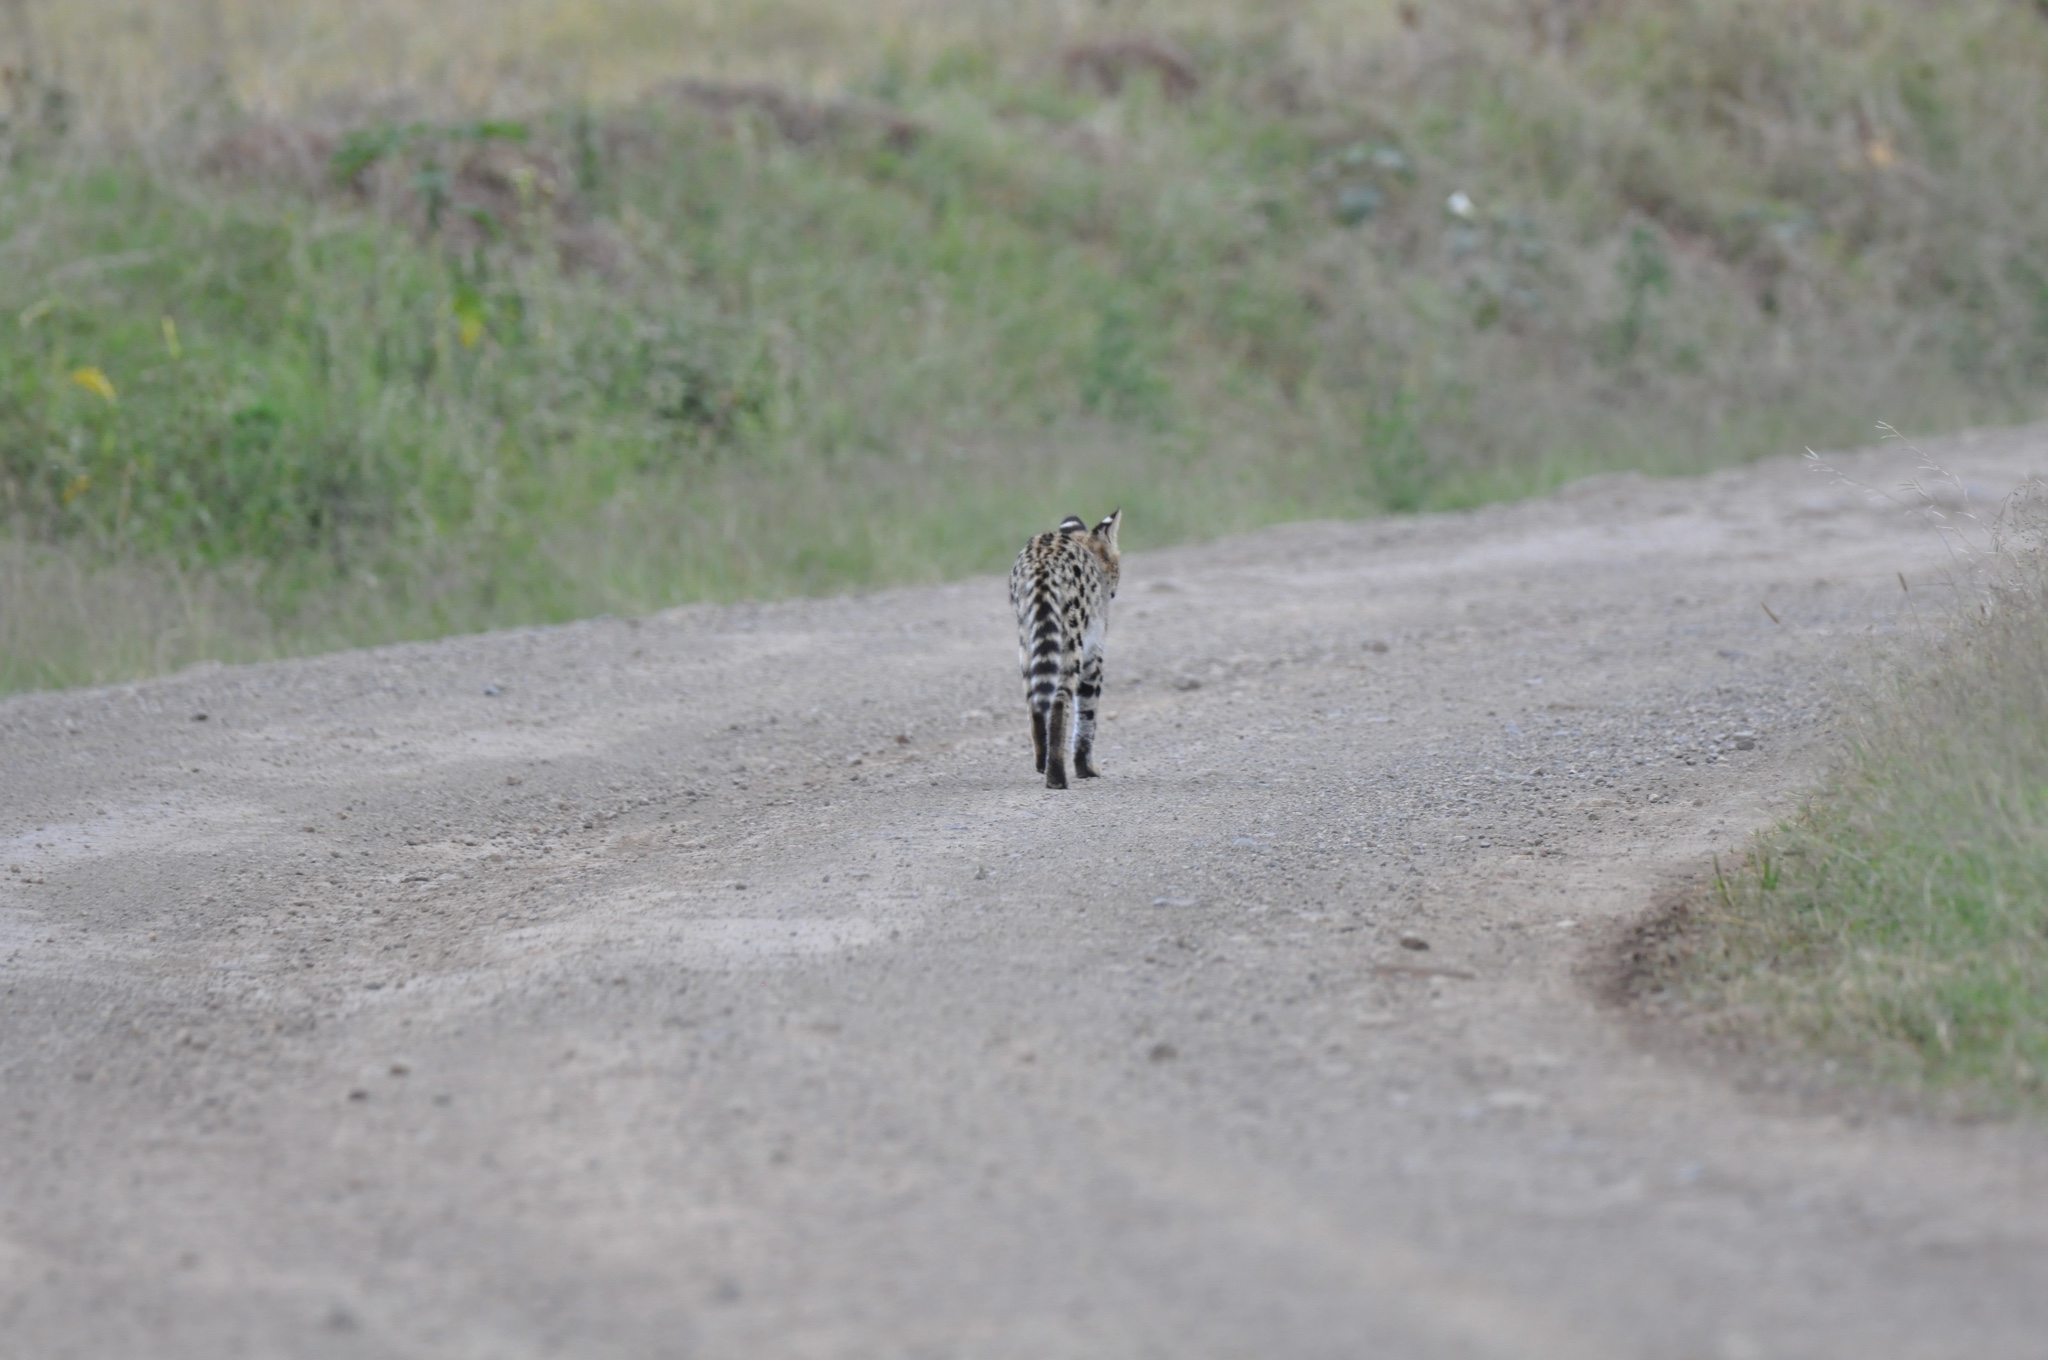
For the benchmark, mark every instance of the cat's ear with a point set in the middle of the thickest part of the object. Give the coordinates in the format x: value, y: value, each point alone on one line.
x: 1105, y: 532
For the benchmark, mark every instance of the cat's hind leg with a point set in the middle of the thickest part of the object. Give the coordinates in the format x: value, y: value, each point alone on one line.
x: 1086, y: 695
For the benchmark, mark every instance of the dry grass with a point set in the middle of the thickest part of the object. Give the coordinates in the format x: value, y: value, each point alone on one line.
x: 67, y: 620
x: 140, y: 64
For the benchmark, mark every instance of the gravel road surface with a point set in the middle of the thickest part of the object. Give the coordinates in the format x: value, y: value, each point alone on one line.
x: 724, y: 984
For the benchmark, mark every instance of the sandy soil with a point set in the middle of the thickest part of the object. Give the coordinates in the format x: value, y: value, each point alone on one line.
x: 724, y: 983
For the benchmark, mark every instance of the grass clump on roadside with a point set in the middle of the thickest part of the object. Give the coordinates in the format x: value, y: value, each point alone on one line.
x: 1900, y: 922
x: 298, y: 351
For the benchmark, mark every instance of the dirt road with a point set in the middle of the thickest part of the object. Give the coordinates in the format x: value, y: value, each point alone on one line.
x: 723, y: 984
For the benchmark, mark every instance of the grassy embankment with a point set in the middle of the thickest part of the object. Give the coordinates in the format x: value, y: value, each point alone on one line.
x: 363, y: 321
x: 1898, y: 926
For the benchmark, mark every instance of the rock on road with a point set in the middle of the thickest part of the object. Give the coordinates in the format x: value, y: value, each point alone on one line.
x: 723, y: 983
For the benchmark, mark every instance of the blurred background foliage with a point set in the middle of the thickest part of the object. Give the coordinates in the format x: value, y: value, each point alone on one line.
x: 334, y: 321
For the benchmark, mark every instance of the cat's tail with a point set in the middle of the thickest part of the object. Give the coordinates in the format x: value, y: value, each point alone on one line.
x: 1042, y: 646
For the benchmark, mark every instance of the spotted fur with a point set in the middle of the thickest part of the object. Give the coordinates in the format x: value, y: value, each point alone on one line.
x: 1061, y: 588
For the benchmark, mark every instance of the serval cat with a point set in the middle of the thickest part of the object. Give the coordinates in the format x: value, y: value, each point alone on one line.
x: 1061, y: 588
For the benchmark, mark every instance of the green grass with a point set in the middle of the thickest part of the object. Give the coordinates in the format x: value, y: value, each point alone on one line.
x: 1900, y: 922
x: 455, y: 369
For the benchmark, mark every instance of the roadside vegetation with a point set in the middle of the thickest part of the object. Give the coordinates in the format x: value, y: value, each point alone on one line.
x: 1898, y: 926
x: 327, y: 323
